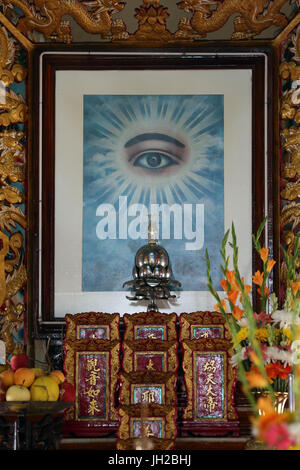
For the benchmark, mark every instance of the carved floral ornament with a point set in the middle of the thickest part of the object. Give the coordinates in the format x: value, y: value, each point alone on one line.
x: 290, y: 134
x: 48, y: 18
x: 13, y: 276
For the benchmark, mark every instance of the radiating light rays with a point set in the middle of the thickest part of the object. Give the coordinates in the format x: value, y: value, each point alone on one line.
x: 111, y: 121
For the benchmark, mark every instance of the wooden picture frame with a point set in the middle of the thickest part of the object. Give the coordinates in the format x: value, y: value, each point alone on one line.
x: 262, y: 177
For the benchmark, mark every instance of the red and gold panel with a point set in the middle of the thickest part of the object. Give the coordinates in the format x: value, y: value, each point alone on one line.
x: 149, y: 421
x: 150, y: 325
x: 149, y: 387
x: 203, y: 325
x: 152, y: 355
x: 210, y: 383
x: 92, y: 366
x: 92, y: 325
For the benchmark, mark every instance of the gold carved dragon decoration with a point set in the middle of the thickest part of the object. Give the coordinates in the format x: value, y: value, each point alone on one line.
x: 49, y: 18
x: 13, y: 276
x: 290, y: 135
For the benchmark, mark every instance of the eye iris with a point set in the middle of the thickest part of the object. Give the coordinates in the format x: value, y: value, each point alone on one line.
x: 153, y: 159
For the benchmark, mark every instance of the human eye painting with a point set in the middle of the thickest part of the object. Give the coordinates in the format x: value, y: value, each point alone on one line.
x: 158, y: 158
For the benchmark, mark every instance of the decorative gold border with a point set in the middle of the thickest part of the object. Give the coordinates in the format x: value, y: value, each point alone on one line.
x: 153, y: 411
x: 207, y: 346
x: 71, y: 347
x: 75, y: 321
x: 132, y: 421
x: 194, y: 356
x: 207, y: 319
x: 144, y: 385
x: 132, y: 379
x: 152, y: 346
x: 150, y: 319
x: 107, y: 383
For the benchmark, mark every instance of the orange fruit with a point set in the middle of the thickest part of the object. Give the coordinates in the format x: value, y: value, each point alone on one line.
x: 58, y: 376
x: 24, y: 376
x: 7, y: 377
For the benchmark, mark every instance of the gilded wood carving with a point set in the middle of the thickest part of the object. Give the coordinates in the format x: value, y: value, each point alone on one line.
x: 13, y: 114
x: 290, y: 134
x: 48, y: 17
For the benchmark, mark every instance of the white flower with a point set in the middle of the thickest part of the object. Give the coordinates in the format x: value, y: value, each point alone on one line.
x: 243, y: 322
x: 273, y: 353
x: 238, y: 357
x: 284, y: 318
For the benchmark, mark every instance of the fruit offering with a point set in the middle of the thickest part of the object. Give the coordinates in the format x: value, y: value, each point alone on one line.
x: 19, y: 382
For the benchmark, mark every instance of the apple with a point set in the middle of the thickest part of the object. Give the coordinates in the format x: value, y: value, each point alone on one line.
x: 19, y: 360
x: 67, y: 392
x: 17, y: 393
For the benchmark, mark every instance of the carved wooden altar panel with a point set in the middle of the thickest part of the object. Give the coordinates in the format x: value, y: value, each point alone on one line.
x: 92, y: 366
x: 92, y: 325
x: 148, y: 387
x: 198, y: 325
x: 151, y: 421
x: 150, y: 325
x: 210, y: 382
x: 151, y: 354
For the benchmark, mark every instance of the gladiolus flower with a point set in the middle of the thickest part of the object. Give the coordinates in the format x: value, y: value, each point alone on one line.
x: 237, y: 312
x: 232, y: 296
x: 224, y: 284
x: 266, y: 290
x: 218, y: 308
x: 265, y: 405
x: 258, y: 278
x: 270, y: 265
x: 255, y: 379
x: 264, y: 252
x: 295, y: 286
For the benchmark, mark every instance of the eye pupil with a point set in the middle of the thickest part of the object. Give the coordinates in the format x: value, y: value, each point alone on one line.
x: 153, y: 159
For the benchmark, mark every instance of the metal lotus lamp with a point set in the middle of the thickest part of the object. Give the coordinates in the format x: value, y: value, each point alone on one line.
x: 152, y: 274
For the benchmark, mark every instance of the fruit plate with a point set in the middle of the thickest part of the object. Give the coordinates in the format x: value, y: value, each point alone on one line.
x: 33, y: 407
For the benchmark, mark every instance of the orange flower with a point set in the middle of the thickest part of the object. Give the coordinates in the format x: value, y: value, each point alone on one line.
x: 218, y: 308
x: 253, y: 357
x: 247, y: 289
x: 224, y: 284
x: 230, y: 275
x: 232, y: 296
x: 270, y: 265
x: 264, y: 252
x: 265, y: 405
x: 258, y: 278
x: 237, y: 313
x: 266, y: 290
x: 295, y: 286
x: 255, y: 379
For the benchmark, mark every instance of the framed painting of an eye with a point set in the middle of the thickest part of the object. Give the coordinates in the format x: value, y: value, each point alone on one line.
x: 182, y: 135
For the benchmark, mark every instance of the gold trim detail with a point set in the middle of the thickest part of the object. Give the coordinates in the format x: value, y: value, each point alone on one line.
x: 110, y: 322
x: 151, y: 412
x: 208, y: 346
x: 289, y: 72
x: 189, y: 321
x: 168, y: 349
x: 13, y: 274
x: 167, y: 380
x: 73, y: 347
x: 167, y: 321
x: 96, y: 17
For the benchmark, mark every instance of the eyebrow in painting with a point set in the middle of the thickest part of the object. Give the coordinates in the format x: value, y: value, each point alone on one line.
x: 153, y: 136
